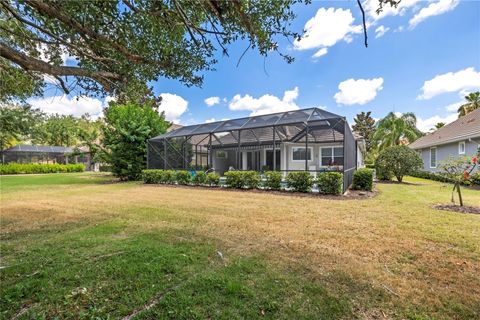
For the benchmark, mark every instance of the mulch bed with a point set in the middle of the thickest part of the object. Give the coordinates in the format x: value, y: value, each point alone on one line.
x: 349, y: 195
x: 455, y: 208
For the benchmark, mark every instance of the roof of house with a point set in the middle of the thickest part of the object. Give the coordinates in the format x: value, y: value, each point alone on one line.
x: 35, y: 148
x: 463, y: 128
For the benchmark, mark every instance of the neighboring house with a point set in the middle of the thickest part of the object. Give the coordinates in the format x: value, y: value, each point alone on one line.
x: 311, y: 140
x: 457, y: 139
x: 23, y: 153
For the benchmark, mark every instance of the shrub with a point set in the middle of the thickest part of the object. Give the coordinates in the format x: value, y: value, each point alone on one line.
x: 300, y: 181
x: 183, y: 177
x: 212, y: 179
x: 475, y: 178
x: 273, y: 180
x: 105, y: 168
x: 167, y: 177
x: 397, y: 161
x: 363, y: 179
x: 330, y: 183
x: 199, y: 178
x: 28, y: 168
x: 151, y: 176
x: 233, y: 179
x: 242, y: 179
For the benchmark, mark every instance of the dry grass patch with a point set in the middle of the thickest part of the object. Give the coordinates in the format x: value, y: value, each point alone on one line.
x: 394, y: 254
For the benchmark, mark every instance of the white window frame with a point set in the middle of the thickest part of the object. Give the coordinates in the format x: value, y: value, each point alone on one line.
x: 464, y: 147
x: 333, y: 152
x: 310, y: 158
x: 430, y: 159
x: 225, y: 152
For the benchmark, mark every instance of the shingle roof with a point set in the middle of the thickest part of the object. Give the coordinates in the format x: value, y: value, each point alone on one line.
x: 34, y: 148
x: 465, y: 127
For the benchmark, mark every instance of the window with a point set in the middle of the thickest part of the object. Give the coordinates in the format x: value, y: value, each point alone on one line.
x: 331, y: 156
x: 221, y: 154
x: 433, y: 157
x: 298, y: 154
x: 461, y: 147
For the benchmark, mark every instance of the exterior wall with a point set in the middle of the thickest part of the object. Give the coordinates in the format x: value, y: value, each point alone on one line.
x: 360, y: 159
x: 445, y: 151
x: 221, y: 165
x: 314, y: 164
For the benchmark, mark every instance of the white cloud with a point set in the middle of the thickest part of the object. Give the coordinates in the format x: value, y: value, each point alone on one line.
x: 371, y: 7
x: 321, y: 52
x: 467, y: 79
x: 454, y: 106
x: 75, y: 106
x: 326, y: 28
x: 173, y: 105
x: 212, y: 101
x: 265, y: 104
x: 433, y: 9
x: 210, y: 120
x: 380, y: 31
x: 426, y: 124
x: 358, y: 91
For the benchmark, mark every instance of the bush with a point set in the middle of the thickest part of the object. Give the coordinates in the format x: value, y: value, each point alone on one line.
x: 273, y: 180
x: 397, y: 161
x: 29, y: 168
x: 199, y: 178
x: 212, y: 179
x: 151, y: 176
x: 168, y: 177
x: 330, y: 183
x: 300, y: 181
x: 475, y: 178
x: 242, y: 179
x: 363, y: 179
x: 183, y: 177
x: 105, y: 168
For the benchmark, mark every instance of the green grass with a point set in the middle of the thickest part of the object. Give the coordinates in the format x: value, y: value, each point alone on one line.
x: 76, y: 246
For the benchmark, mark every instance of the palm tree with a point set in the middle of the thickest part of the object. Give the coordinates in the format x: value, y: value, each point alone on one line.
x: 395, y: 130
x: 473, y: 103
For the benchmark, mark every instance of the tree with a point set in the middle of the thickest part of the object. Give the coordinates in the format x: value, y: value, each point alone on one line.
x: 458, y: 170
x: 57, y: 130
x: 395, y: 130
x: 398, y: 161
x: 17, y: 123
x: 120, y: 43
x: 473, y: 103
x: 365, y: 127
x: 127, y: 128
x: 439, y: 125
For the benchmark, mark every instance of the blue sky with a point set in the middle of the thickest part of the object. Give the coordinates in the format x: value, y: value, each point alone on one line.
x: 422, y: 57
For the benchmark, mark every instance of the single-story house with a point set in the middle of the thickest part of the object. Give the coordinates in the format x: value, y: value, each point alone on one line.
x: 24, y: 153
x: 457, y: 139
x: 312, y: 140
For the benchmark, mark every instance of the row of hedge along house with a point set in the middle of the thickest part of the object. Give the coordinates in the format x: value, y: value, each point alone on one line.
x: 324, y: 183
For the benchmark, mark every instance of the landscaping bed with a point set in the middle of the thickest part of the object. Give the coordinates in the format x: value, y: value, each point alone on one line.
x: 456, y: 208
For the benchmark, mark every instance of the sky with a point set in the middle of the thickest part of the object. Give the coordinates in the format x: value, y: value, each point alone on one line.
x: 422, y: 57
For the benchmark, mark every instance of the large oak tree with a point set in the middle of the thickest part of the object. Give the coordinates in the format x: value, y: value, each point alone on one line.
x: 122, y: 45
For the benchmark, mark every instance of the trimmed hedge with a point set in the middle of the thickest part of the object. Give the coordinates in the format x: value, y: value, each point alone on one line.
x: 301, y: 181
x: 30, y: 168
x: 212, y: 179
x: 242, y: 179
x: 474, y: 178
x: 199, y: 178
x: 273, y: 180
x: 330, y: 183
x: 183, y: 177
x: 363, y: 179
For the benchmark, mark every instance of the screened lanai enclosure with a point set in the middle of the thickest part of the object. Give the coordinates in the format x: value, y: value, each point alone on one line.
x: 312, y: 140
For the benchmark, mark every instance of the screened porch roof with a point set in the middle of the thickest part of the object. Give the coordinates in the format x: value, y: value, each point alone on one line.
x: 291, y: 126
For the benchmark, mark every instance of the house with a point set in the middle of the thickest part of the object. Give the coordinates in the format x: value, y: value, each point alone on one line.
x: 312, y: 140
x: 457, y: 139
x: 23, y: 153
x: 199, y: 153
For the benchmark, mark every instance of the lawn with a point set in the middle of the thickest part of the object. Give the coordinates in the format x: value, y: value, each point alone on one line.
x: 82, y: 246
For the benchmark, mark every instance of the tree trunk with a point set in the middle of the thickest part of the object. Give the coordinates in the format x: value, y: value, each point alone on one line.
x: 459, y: 195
